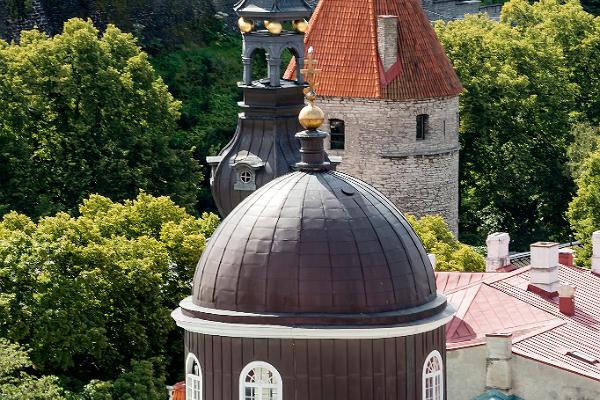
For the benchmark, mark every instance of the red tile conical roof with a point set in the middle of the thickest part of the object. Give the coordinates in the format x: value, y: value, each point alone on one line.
x: 344, y: 35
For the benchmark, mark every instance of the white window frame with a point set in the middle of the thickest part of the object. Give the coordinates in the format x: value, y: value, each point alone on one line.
x: 193, y: 382
x: 433, y: 376
x: 261, y: 364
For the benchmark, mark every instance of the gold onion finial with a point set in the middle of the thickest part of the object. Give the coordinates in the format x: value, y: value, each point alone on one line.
x: 311, y: 117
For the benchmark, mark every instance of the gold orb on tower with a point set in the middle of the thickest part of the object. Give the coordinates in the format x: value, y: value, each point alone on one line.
x: 274, y: 27
x: 301, y: 25
x: 245, y: 25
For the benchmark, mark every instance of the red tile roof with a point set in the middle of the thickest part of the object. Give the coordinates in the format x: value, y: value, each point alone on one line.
x: 491, y: 303
x: 344, y: 36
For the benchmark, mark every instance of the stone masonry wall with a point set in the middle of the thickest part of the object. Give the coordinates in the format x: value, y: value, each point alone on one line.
x: 419, y: 176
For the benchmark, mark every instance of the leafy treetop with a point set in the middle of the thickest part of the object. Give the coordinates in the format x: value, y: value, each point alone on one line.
x: 83, y: 113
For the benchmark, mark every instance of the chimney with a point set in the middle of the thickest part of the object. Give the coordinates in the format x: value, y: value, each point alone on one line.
x: 499, y: 354
x: 566, y: 300
x: 596, y: 253
x: 387, y: 40
x: 544, y: 269
x: 497, y: 251
x: 566, y: 257
x: 431, y: 259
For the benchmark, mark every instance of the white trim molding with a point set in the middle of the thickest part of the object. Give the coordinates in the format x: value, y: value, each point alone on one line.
x: 278, y: 384
x: 238, y: 330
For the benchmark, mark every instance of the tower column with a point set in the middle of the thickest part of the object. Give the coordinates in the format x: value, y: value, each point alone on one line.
x: 247, y: 61
x: 274, y: 70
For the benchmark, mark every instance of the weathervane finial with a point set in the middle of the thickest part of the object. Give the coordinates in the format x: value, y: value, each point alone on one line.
x: 311, y: 117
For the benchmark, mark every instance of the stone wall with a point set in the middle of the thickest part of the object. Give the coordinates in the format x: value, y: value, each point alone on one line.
x: 381, y: 148
x: 531, y: 380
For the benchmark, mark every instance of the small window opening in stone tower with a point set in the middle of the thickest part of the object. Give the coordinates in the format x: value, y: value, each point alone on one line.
x: 422, y: 126
x: 337, y: 129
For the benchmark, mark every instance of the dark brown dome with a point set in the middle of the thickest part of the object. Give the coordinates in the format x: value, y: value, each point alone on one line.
x: 310, y: 244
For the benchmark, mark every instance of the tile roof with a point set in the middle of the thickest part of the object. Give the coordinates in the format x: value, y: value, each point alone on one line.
x: 344, y: 35
x: 491, y: 303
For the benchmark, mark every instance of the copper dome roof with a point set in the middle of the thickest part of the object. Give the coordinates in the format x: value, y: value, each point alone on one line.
x: 315, y: 248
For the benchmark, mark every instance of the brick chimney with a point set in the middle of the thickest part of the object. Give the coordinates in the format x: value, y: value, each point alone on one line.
x: 566, y: 257
x: 498, y: 373
x: 497, y: 251
x: 544, y: 269
x: 387, y: 40
x: 566, y: 300
x: 596, y: 253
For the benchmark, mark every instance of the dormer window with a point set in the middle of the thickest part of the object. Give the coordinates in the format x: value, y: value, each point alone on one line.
x: 422, y: 126
x: 245, y: 165
x: 246, y: 179
x: 337, y: 130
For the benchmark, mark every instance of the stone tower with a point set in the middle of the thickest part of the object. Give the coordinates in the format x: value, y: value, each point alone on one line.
x: 264, y: 146
x: 390, y: 96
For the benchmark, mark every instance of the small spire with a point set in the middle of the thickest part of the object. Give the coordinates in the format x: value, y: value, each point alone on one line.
x: 312, y: 152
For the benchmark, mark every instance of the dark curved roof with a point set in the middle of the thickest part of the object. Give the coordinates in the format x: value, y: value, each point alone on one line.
x: 315, y: 244
x: 344, y: 36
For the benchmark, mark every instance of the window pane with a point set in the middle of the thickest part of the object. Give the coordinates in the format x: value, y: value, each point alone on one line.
x: 337, y: 131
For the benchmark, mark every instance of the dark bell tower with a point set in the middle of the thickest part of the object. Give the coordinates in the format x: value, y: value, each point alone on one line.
x: 264, y: 146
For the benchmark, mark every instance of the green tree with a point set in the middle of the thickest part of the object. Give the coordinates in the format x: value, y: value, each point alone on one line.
x: 515, y: 123
x: 586, y: 138
x: 83, y: 113
x: 143, y: 381
x: 17, y: 384
x: 89, y: 294
x: 450, y: 254
x: 584, y: 210
x: 576, y: 32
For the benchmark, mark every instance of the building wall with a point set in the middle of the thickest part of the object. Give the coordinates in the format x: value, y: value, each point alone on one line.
x: 381, y: 148
x: 531, y: 380
x: 382, y: 369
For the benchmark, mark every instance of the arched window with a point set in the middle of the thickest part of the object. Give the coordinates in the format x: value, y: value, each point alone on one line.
x: 193, y: 378
x: 433, y: 377
x: 260, y: 381
x: 337, y: 130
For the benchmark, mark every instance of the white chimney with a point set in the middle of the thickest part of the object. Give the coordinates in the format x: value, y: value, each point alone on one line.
x: 544, y: 269
x: 431, y: 259
x: 387, y: 40
x: 596, y: 252
x: 497, y: 251
x: 498, y: 373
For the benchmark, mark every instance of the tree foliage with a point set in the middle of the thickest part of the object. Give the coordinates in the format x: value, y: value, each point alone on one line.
x: 83, y: 113
x: 450, y: 254
x: 527, y: 79
x: 584, y: 210
x: 17, y: 384
x: 90, y: 294
x: 586, y: 140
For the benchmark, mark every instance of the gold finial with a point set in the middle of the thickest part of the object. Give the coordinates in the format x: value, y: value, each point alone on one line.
x: 311, y: 117
x: 301, y: 25
x: 245, y: 25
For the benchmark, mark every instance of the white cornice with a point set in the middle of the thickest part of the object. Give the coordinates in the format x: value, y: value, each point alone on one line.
x: 238, y: 330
